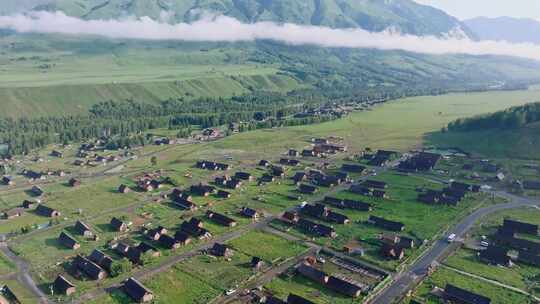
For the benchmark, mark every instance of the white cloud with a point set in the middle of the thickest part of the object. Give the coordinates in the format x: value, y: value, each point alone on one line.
x: 229, y: 29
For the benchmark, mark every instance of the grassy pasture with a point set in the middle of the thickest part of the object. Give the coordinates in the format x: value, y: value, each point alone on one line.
x: 520, y: 275
x: 267, y: 246
x: 443, y: 276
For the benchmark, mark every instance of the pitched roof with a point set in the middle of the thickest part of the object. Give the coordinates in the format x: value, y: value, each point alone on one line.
x: 136, y: 290
x: 464, y: 296
x: 312, y: 273
x: 62, y: 285
x: 81, y: 227
x: 46, y: 211
x: 294, y: 299
x: 386, y: 224
x: 90, y: 268
x: 343, y: 287
x: 68, y: 241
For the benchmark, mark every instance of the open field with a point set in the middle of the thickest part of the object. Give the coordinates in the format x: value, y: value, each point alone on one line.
x: 282, y: 286
x: 523, y: 143
x: 519, y: 275
x: 443, y: 276
x: 399, y: 125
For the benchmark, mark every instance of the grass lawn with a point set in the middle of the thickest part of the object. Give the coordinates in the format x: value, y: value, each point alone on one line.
x: 281, y: 287
x: 442, y: 277
x: 520, y: 275
x: 266, y: 246
x: 6, y: 266
x: 24, y: 295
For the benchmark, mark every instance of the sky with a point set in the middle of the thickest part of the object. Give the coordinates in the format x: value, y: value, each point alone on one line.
x: 465, y: 9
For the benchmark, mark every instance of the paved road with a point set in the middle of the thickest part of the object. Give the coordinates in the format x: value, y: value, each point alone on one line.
x: 23, y: 274
x: 405, y: 281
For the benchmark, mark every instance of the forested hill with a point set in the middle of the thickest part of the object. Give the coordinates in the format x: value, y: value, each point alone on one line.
x: 512, y: 118
x: 373, y: 15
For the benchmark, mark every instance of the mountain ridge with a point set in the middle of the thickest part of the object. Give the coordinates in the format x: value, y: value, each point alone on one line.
x: 516, y: 30
x: 406, y: 16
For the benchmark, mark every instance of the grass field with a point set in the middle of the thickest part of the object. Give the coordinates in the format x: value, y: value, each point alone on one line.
x: 24, y: 295
x: 266, y: 246
x: 522, y: 143
x: 520, y: 275
x: 281, y: 287
x: 443, y: 276
x: 398, y: 125
x: 6, y: 266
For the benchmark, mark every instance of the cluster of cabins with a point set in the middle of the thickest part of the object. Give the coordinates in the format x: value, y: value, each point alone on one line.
x: 310, y: 227
x: 393, y: 246
x: 381, y: 158
x: 132, y: 287
x: 419, y: 162
x: 212, y: 166
x: 337, y: 284
x: 291, y: 299
x: 506, y: 239
x: 322, y: 147
x: 370, y: 188
x: 38, y: 208
x: 148, y: 182
x: 454, y: 294
x: 450, y: 196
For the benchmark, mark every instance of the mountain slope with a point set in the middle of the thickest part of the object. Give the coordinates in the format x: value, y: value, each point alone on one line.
x: 374, y: 15
x: 505, y: 28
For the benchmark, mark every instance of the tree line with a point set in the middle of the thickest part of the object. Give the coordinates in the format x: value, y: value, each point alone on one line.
x: 511, y: 118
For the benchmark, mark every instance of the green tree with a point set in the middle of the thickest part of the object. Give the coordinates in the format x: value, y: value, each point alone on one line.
x: 153, y: 161
x: 120, y: 267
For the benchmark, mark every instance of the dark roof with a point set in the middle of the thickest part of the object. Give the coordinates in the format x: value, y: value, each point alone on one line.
x: 304, y: 188
x: 220, y: 218
x: 274, y: 300
x: 315, y: 228
x: 223, y: 194
x: 353, y: 168
x: 81, y: 227
x: 220, y: 249
x: 528, y: 258
x: 312, y: 273
x: 495, y: 255
x: 243, y: 175
x: 184, y: 203
x: 61, y: 284
x: 520, y: 227
x: 422, y: 161
x: 518, y: 244
x: 144, y: 247
x: 358, y: 189
x: 386, y: 224
x: 46, y: 211
x: 91, y: 269
x: 192, y: 228
x: 101, y: 259
x: 118, y: 224
x: 67, y: 240
x: 135, y: 289
x: 181, y: 237
x: 374, y: 184
x: 168, y: 241
x: 464, y: 296
x: 201, y: 189
x: 344, y: 287
x: 248, y: 212
x: 294, y: 299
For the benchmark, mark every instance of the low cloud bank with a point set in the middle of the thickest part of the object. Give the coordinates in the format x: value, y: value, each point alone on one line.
x: 224, y: 28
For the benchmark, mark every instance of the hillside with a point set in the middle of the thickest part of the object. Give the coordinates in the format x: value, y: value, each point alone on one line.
x: 373, y: 15
x: 512, y: 133
x: 505, y: 28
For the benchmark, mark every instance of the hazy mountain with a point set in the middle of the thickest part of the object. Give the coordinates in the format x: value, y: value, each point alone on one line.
x: 374, y: 15
x: 506, y: 28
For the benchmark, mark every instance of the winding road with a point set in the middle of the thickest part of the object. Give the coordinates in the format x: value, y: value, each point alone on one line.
x: 404, y: 281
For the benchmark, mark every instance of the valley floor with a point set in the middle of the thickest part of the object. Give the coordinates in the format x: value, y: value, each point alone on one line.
x: 194, y: 278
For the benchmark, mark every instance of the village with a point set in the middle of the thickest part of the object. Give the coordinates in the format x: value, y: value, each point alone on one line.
x: 339, y: 222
